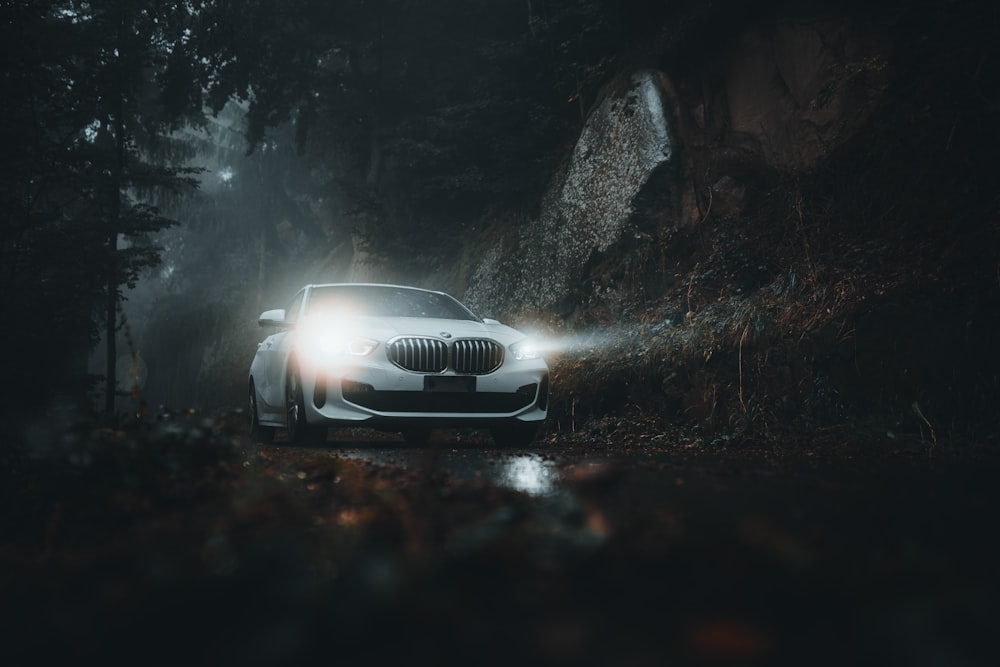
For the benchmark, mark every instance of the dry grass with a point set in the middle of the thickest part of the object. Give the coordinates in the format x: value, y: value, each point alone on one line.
x: 755, y: 333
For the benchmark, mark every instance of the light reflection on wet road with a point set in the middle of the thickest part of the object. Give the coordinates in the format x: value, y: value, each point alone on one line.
x: 530, y: 473
x: 770, y: 532
x: 543, y: 470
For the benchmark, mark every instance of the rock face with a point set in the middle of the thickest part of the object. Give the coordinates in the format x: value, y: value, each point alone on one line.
x: 587, y: 208
x: 776, y: 100
x: 795, y: 90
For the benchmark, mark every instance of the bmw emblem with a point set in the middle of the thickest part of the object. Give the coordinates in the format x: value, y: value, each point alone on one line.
x: 445, y: 334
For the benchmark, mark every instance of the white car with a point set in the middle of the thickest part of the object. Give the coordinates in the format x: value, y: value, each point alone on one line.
x: 393, y: 358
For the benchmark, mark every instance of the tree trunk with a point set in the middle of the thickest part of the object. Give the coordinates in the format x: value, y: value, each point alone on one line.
x: 111, y: 326
x: 261, y: 266
x: 115, y: 214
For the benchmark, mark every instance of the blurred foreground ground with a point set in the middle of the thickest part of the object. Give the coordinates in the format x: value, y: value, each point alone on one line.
x: 182, y: 543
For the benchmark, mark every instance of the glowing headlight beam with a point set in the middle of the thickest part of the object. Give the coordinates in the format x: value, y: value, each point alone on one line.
x: 541, y: 345
x: 525, y: 349
x: 361, y: 347
x: 324, y: 342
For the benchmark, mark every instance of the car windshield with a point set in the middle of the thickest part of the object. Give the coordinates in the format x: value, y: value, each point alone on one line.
x: 384, y: 301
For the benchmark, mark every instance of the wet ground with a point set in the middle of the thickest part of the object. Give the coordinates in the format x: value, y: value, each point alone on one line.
x: 731, y: 556
x: 581, y: 550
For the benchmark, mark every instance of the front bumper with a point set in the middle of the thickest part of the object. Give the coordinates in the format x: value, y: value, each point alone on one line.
x: 383, y: 395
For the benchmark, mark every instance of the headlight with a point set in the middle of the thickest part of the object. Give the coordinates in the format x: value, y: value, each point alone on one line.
x: 332, y: 346
x: 361, y: 347
x: 321, y: 345
x: 525, y: 349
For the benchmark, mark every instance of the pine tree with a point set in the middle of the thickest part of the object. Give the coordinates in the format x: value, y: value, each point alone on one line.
x: 91, y: 93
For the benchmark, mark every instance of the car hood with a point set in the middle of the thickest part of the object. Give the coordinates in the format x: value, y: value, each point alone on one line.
x: 386, y: 328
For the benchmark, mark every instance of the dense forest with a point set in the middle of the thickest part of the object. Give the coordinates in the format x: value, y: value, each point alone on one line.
x: 819, y: 248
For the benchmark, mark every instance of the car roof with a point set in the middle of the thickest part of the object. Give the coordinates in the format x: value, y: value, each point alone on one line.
x: 419, y: 289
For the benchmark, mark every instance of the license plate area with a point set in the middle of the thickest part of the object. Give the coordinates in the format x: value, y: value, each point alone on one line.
x: 449, y: 384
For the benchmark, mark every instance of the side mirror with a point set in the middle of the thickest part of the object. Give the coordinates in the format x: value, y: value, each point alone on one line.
x: 490, y: 320
x: 272, y: 318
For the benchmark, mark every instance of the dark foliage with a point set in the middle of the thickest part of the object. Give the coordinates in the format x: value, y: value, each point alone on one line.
x: 443, y: 109
x: 86, y: 162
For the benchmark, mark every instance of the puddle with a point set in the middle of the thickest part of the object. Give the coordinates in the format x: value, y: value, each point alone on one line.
x: 527, y: 473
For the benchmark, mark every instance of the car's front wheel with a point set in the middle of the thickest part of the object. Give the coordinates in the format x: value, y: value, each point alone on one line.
x: 300, y: 432
x: 514, y: 435
x: 258, y: 432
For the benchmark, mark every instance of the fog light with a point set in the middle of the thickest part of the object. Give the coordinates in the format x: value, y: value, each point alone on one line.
x: 352, y: 387
x: 527, y: 390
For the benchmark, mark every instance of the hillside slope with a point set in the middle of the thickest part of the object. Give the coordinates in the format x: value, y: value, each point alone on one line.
x: 821, y: 253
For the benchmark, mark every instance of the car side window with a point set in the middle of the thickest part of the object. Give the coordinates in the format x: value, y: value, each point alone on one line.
x: 292, y: 312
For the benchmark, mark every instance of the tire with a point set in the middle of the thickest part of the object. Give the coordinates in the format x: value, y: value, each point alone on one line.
x: 258, y: 432
x: 514, y: 435
x: 300, y: 432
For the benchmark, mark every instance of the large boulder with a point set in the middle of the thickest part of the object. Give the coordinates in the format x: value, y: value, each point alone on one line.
x: 587, y: 208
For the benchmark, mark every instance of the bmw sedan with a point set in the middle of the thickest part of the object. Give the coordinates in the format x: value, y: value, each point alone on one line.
x: 392, y: 358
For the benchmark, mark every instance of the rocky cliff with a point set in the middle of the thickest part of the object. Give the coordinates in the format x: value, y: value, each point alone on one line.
x: 654, y: 155
x: 762, y: 240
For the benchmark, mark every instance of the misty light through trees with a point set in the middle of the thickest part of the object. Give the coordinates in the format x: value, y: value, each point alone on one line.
x: 289, y: 196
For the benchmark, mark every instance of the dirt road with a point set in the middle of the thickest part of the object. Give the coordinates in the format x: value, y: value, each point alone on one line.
x: 582, y: 550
